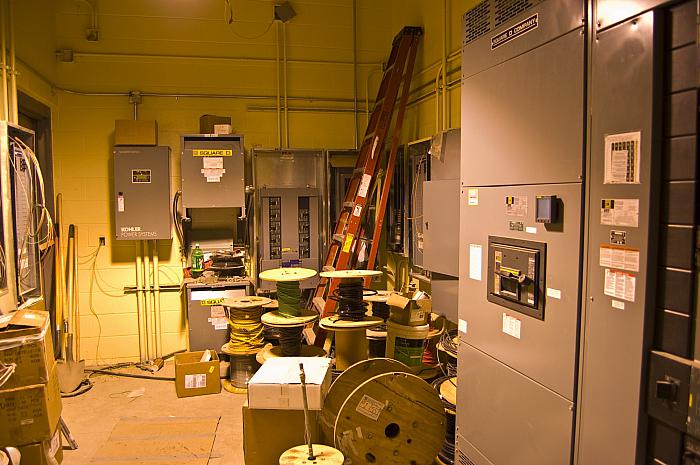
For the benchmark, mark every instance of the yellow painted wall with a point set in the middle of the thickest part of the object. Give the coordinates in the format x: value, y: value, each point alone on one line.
x: 177, y: 46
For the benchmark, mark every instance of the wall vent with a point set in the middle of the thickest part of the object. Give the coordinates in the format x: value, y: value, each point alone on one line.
x: 506, y: 9
x: 464, y: 460
x: 477, y: 21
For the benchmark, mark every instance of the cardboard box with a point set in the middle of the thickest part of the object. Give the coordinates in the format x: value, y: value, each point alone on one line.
x: 30, y: 414
x: 276, y: 385
x: 281, y: 430
x: 39, y: 453
x: 34, y: 358
x: 410, y: 310
x: 135, y: 132
x: 207, y: 123
x: 195, y: 378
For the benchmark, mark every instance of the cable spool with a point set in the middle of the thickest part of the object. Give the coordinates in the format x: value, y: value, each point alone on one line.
x: 351, y: 323
x: 324, y: 455
x: 246, y: 340
x: 447, y: 389
x: 287, y: 316
x: 376, y: 337
x: 377, y: 412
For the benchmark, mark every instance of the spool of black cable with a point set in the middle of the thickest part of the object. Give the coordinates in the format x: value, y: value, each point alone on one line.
x: 447, y: 389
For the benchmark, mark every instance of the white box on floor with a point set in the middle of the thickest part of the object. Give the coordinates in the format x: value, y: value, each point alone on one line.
x: 277, y: 385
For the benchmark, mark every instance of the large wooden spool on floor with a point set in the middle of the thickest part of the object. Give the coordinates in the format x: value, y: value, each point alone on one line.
x: 376, y: 412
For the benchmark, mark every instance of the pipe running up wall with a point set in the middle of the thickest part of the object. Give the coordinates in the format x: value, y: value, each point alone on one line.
x: 156, y: 301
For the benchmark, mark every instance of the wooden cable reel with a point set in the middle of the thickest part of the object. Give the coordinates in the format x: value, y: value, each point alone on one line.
x: 378, y: 412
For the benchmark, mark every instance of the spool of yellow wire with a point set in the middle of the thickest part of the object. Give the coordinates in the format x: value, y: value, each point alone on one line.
x: 246, y: 339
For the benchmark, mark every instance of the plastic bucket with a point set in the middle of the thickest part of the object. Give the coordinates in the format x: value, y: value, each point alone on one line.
x: 405, y: 343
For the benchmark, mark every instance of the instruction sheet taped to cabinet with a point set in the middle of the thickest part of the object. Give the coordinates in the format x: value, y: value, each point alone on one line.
x: 622, y: 158
x: 619, y: 212
x: 620, y: 285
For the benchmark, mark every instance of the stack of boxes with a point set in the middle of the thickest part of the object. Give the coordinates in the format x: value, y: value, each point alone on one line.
x: 408, y: 327
x: 30, y: 399
x: 275, y: 407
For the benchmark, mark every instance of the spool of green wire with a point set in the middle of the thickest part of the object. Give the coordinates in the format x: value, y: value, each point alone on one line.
x: 289, y: 296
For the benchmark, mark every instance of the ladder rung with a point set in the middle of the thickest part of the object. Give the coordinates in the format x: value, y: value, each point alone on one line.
x: 357, y: 171
x: 348, y: 204
x: 339, y: 238
x: 369, y: 136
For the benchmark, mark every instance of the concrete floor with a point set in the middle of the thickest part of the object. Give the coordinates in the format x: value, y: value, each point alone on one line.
x: 92, y: 416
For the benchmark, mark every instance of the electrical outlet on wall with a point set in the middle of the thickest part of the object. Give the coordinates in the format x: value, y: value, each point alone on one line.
x: 102, y: 240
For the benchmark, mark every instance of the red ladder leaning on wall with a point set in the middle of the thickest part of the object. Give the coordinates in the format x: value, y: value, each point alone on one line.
x: 343, y: 250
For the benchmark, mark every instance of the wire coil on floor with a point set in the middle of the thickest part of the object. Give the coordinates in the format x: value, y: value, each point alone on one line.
x: 349, y: 295
x: 447, y: 452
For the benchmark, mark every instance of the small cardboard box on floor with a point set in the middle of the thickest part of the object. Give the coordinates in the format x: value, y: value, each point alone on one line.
x: 194, y: 377
x: 25, y: 340
x: 410, y: 310
x: 277, y: 385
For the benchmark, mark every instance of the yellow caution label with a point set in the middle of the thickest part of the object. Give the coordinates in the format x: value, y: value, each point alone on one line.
x: 211, y: 369
x: 210, y: 302
x: 212, y: 153
x: 348, y: 243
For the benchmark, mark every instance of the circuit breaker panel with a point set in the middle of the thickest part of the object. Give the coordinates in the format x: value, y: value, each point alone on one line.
x: 291, y: 223
x: 142, y: 193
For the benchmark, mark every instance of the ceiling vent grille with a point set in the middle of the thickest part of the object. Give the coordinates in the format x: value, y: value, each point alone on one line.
x: 506, y: 9
x: 477, y: 21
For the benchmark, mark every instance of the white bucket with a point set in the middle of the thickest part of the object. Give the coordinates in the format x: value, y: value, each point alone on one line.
x: 405, y: 343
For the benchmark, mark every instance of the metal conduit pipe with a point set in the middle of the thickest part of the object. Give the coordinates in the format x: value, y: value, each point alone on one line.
x: 219, y: 58
x: 277, y: 81
x: 147, y: 298
x: 139, y: 304
x: 356, y: 133
x: 3, y: 55
x: 445, y: 115
x: 438, y: 125
x: 14, y: 113
x: 156, y: 300
x: 284, y: 82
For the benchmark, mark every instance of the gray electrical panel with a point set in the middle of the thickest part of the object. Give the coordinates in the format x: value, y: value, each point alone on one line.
x: 292, y: 217
x: 206, y: 318
x: 142, y: 201
x: 213, y: 171
x: 520, y: 262
x: 621, y: 288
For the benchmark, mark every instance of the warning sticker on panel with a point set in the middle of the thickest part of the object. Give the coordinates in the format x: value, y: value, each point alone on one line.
x: 620, y: 285
x: 472, y: 197
x: 141, y: 176
x: 219, y: 323
x: 619, y: 212
x: 511, y: 326
x: 622, y: 258
x: 217, y: 311
x: 369, y: 407
x: 622, y: 158
x: 196, y: 381
x: 516, y: 206
x: 364, y: 185
x: 207, y: 302
x: 475, y: 262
